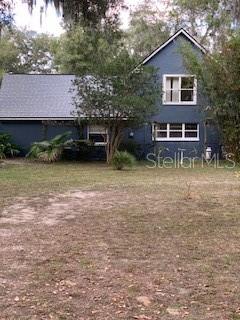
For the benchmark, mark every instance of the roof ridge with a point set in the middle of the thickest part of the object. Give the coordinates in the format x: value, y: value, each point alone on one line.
x: 170, y: 39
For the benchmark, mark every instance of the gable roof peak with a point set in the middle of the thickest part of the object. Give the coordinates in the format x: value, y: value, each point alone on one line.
x: 175, y: 35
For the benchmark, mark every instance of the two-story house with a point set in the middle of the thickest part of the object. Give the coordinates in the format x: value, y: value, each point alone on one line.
x: 181, y: 124
x: 37, y: 107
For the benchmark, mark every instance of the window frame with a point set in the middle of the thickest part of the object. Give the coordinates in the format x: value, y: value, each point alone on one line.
x: 89, y: 132
x: 180, y: 76
x: 168, y: 131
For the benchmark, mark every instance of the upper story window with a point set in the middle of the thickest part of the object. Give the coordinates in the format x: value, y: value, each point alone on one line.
x: 179, y: 89
x: 98, y: 134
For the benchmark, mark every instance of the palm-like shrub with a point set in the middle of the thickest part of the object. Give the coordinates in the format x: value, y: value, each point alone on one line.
x: 7, y: 147
x: 51, y: 150
x: 122, y: 159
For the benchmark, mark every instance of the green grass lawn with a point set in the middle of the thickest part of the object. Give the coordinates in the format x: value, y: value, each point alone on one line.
x: 82, y: 241
x: 24, y: 178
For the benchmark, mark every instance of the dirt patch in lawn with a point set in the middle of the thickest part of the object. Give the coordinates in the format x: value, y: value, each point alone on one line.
x: 56, y: 207
x: 148, y: 252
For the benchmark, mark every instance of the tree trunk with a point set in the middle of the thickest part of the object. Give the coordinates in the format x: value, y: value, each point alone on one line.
x: 114, y: 142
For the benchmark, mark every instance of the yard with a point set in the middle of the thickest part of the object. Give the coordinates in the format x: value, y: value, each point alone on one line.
x: 82, y: 241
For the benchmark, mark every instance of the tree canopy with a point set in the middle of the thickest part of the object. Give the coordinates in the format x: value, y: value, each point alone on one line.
x: 211, y: 21
x: 218, y: 74
x: 6, y: 16
x: 147, y: 29
x: 83, y: 50
x: 8, y: 56
x: 26, y: 52
x: 86, y: 12
x: 119, y: 96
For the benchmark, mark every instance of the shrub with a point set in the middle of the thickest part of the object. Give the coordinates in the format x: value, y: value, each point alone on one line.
x: 122, y: 159
x: 50, y: 151
x: 7, y: 147
x: 131, y: 147
x: 79, y: 150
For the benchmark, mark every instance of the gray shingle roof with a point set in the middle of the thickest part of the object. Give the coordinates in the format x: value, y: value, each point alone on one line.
x: 36, y: 96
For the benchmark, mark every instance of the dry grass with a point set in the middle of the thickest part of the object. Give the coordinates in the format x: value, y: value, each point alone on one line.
x: 81, y: 241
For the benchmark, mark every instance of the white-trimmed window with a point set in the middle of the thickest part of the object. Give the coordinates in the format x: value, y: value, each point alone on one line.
x: 98, y: 134
x: 175, y: 132
x: 179, y: 89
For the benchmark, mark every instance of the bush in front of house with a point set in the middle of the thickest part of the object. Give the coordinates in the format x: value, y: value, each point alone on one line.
x: 78, y: 150
x: 50, y: 150
x: 7, y: 147
x: 123, y: 159
x: 131, y: 147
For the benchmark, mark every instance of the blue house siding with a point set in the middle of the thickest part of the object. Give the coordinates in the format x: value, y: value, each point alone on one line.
x: 214, y: 139
x: 24, y: 133
x: 170, y: 61
x: 52, y: 131
x: 169, y: 148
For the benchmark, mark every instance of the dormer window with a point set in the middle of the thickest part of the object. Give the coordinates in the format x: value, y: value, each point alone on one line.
x: 179, y: 89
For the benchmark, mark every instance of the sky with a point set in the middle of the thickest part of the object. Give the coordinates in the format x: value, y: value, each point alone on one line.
x: 51, y: 22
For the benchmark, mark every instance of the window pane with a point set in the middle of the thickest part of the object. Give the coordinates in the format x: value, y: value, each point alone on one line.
x: 172, y: 89
x: 175, y: 96
x: 187, y: 95
x: 168, y: 96
x: 98, y: 137
x: 172, y: 96
x: 172, y: 83
x: 161, y: 134
x: 175, y: 134
x: 175, y: 126
x: 191, y: 134
x: 191, y: 126
x: 187, y: 83
x: 175, y: 83
x: 97, y: 129
x: 161, y: 126
x: 168, y: 84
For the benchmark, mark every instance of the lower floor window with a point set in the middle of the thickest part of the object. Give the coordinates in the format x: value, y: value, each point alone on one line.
x: 176, y: 131
x: 98, y: 134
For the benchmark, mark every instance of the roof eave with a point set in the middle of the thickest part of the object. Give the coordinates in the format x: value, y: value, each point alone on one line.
x: 181, y: 31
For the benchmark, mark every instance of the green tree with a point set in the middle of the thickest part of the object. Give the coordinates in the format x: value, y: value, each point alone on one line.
x: 117, y: 96
x: 87, y: 12
x: 8, y: 56
x: 6, y: 16
x: 26, y: 52
x: 210, y: 21
x: 218, y: 74
x: 147, y: 29
x: 233, y: 7
x: 36, y: 51
x: 107, y: 90
x: 83, y: 50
